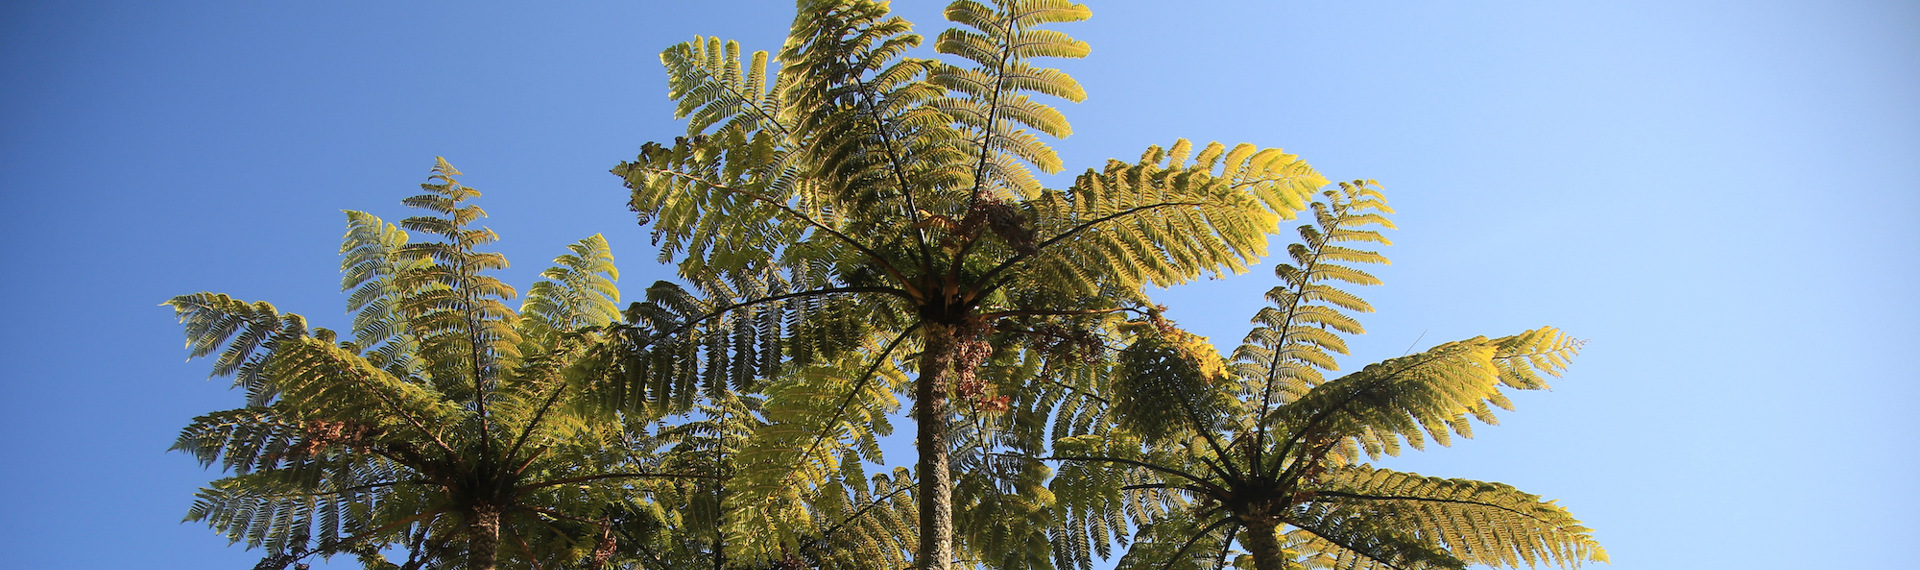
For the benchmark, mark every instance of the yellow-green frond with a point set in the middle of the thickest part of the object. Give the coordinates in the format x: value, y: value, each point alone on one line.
x: 1477, y: 522
x: 1413, y: 398
x: 1293, y: 342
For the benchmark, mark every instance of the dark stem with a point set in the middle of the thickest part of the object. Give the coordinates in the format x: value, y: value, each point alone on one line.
x: 483, y: 546
x: 1263, y: 542
x: 931, y: 413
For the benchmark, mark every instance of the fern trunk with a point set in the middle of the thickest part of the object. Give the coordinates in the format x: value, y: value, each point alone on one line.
x: 484, y: 548
x: 930, y: 416
x: 1262, y: 539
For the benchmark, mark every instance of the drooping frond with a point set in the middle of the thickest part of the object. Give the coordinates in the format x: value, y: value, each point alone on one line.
x: 679, y: 343
x: 1354, y: 540
x: 1003, y: 512
x: 1182, y: 543
x: 1160, y: 390
x: 281, y: 510
x: 1476, y: 522
x: 862, y: 523
x: 1102, y: 494
x: 818, y: 418
x: 250, y: 331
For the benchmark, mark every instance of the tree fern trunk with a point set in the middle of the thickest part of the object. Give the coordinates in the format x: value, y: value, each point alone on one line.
x: 930, y: 414
x: 484, y: 547
x: 1262, y: 540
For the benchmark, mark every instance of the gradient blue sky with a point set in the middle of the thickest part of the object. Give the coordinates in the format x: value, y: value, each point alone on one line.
x: 1720, y: 195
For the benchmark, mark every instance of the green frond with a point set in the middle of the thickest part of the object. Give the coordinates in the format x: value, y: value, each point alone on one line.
x: 990, y: 101
x: 1413, y: 398
x: 1144, y: 223
x: 817, y: 418
x: 1348, y: 540
x: 321, y: 381
x: 578, y: 292
x: 370, y: 266
x: 1183, y: 542
x: 318, y: 507
x: 1526, y: 355
x: 865, y: 523
x: 1476, y: 522
x: 355, y: 447
x: 1293, y: 342
x: 1162, y: 391
x: 240, y: 440
x: 250, y: 331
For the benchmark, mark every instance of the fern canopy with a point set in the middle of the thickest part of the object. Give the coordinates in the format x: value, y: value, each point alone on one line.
x: 1268, y: 457
x: 447, y: 427
x: 851, y: 220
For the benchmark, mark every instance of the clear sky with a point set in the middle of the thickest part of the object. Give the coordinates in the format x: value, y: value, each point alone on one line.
x: 1721, y: 196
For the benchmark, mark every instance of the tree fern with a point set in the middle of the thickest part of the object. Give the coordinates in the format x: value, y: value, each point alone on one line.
x: 863, y: 195
x: 1275, y: 447
x: 449, y: 427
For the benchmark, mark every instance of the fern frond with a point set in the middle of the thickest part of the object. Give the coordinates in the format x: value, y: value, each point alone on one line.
x: 1425, y: 395
x: 240, y: 440
x: 1160, y: 391
x: 371, y: 262
x: 1151, y: 222
x: 998, y: 41
x: 1357, y: 541
x: 321, y: 381
x: 578, y: 292
x: 250, y: 331
x: 815, y: 419
x: 1477, y: 522
x: 361, y: 446
x: 1293, y: 342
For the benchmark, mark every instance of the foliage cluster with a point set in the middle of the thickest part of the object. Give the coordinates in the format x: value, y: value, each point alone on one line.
x: 851, y: 225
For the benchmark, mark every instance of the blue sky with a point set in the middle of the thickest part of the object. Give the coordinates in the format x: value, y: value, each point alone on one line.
x: 1719, y: 195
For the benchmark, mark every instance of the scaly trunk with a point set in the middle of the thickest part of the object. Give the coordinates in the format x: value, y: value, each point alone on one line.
x: 930, y: 414
x: 484, y: 547
x: 1262, y: 540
